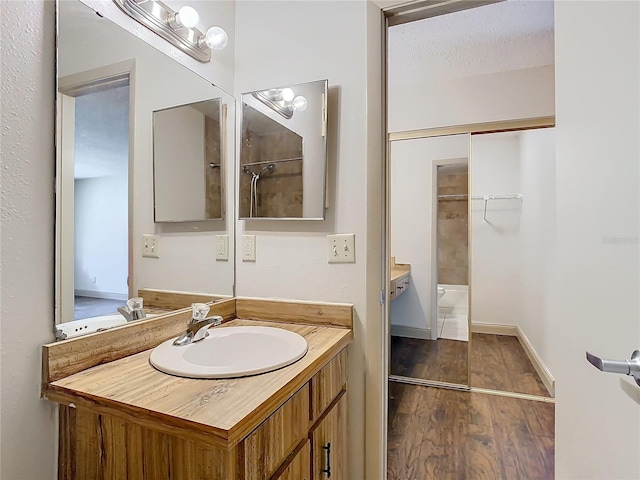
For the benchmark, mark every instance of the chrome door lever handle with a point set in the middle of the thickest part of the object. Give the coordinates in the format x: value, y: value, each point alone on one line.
x: 625, y: 367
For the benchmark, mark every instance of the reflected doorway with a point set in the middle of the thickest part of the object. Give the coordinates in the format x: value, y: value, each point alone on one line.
x: 93, y: 198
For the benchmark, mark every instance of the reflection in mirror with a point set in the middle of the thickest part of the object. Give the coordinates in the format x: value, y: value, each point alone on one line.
x: 190, y: 189
x: 283, y: 152
x: 511, y: 259
x: 429, y: 285
x: 108, y: 248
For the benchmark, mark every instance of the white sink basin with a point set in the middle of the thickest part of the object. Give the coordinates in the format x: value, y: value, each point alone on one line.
x: 231, y: 352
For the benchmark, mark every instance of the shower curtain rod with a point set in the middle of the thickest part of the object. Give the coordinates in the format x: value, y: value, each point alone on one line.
x: 510, y: 196
x: 294, y: 159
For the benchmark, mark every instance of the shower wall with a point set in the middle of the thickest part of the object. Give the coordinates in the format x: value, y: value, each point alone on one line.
x: 279, y: 189
x: 453, y: 225
x: 213, y: 183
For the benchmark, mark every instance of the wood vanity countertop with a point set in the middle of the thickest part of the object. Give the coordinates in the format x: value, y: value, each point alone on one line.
x: 228, y: 409
x: 399, y: 270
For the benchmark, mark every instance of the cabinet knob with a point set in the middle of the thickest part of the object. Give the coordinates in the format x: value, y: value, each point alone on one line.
x: 327, y: 448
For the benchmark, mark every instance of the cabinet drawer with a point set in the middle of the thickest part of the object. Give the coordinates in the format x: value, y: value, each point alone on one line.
x: 327, y: 384
x: 273, y: 441
x: 300, y: 466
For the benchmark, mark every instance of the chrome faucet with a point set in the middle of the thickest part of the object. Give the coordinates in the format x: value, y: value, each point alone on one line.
x: 198, y: 326
x: 132, y: 310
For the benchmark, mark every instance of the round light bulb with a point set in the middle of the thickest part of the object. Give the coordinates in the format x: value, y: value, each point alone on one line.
x: 216, y: 38
x: 187, y: 17
x: 299, y: 103
x: 287, y: 94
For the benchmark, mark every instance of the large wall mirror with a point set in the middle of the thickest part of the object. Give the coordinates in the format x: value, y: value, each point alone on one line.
x: 114, y: 92
x: 283, y: 153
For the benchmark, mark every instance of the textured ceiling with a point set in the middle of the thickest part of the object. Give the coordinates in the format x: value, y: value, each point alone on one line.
x: 506, y: 36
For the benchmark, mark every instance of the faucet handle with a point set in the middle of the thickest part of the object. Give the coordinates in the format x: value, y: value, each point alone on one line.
x: 200, y: 311
x: 134, y: 303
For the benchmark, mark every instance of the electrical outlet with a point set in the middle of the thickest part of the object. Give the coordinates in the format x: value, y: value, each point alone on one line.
x: 248, y: 248
x: 341, y: 248
x: 150, y: 246
x: 222, y: 247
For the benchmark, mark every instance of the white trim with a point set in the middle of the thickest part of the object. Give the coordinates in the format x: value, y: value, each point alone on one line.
x: 515, y: 331
x: 105, y: 295
x: 541, y: 368
x: 410, y: 332
x: 494, y: 329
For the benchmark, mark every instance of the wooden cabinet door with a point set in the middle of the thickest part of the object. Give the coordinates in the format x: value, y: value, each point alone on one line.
x: 300, y: 466
x: 329, y: 444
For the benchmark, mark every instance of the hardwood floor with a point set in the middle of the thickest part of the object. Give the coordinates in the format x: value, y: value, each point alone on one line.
x: 85, y: 307
x: 440, y: 360
x: 498, y: 362
x: 439, y: 434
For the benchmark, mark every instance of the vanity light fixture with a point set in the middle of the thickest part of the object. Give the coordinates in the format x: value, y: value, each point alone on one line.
x: 282, y: 100
x: 177, y: 27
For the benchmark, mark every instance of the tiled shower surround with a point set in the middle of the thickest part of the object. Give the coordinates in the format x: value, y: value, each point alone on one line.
x: 453, y: 225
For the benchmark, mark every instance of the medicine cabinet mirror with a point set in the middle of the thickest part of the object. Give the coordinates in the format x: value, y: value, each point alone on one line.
x: 188, y: 165
x: 112, y: 88
x: 283, y: 152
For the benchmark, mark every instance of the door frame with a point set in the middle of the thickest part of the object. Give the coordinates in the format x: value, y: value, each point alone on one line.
x: 69, y: 87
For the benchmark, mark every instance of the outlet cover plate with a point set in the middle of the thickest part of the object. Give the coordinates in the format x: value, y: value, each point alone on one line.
x: 222, y: 247
x: 341, y: 248
x: 248, y: 248
x: 150, y: 246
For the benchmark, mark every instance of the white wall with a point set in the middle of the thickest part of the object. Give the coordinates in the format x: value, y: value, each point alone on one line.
x: 174, y: 270
x: 101, y: 249
x: 178, y: 133
x: 512, y: 251
x: 596, y: 304
x: 496, y: 274
x: 292, y: 256
x: 28, y: 435
x: 537, y: 227
x: 411, y: 200
x: 483, y: 98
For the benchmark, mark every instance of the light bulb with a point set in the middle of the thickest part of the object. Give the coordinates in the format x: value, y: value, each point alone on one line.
x: 187, y: 17
x: 287, y: 94
x: 216, y: 38
x: 299, y: 103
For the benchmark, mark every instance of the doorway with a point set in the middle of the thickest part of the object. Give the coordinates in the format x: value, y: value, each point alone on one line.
x: 93, y: 194
x: 438, y: 427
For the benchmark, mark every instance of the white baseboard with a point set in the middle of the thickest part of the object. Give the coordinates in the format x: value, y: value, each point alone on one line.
x: 541, y: 368
x: 516, y: 331
x: 495, y: 329
x: 105, y: 295
x: 411, y: 332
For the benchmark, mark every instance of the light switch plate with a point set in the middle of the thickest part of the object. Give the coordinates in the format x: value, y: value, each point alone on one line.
x: 222, y: 247
x: 341, y: 248
x: 150, y: 246
x: 248, y: 248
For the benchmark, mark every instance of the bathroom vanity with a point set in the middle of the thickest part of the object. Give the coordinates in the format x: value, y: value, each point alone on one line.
x: 121, y: 418
x: 399, y: 278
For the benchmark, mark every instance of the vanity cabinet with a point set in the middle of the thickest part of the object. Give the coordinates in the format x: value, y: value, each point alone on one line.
x: 292, y: 443
x: 400, y: 279
x: 120, y: 418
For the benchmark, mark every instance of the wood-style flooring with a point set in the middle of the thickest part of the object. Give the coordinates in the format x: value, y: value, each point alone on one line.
x: 440, y: 434
x: 498, y: 362
x: 87, y: 307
